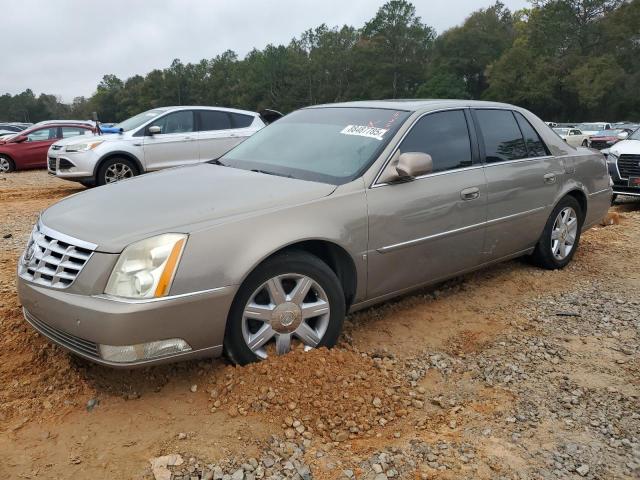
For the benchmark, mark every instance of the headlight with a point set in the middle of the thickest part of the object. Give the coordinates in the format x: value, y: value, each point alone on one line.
x: 146, y: 268
x: 83, y: 147
x: 612, y: 158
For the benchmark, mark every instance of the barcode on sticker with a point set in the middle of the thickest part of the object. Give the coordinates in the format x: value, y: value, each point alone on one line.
x: 364, y: 131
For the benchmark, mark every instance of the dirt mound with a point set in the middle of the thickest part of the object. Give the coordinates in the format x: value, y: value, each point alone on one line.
x: 336, y: 394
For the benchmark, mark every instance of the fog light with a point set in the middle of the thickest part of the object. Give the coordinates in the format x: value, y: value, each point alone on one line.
x: 143, y: 351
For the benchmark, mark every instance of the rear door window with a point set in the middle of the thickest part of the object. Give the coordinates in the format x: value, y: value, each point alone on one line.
x: 501, y: 135
x: 211, y: 120
x: 73, y: 131
x: 535, y: 145
x: 444, y: 136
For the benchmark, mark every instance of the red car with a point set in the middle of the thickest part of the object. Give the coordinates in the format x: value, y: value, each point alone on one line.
x: 28, y: 149
x: 606, y: 138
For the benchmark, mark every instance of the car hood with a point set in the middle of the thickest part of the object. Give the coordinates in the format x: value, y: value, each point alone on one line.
x: 183, y: 199
x: 630, y: 147
x: 87, y: 138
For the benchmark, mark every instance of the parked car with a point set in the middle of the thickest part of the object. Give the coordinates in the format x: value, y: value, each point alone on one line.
x: 606, y: 138
x: 331, y: 209
x: 12, y: 127
x: 153, y: 140
x: 28, y: 148
x: 623, y: 160
x: 573, y: 136
x: 591, y: 128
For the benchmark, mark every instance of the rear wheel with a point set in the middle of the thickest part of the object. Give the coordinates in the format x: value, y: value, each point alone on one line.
x: 292, y: 298
x: 6, y: 164
x: 116, y: 169
x: 561, y: 235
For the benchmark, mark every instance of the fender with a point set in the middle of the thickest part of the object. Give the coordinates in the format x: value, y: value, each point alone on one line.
x: 116, y: 153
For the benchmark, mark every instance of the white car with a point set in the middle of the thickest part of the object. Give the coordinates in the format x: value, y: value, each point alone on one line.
x: 152, y: 140
x: 573, y: 136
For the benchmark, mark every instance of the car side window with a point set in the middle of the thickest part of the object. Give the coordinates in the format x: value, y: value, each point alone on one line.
x: 211, y: 120
x: 535, y: 145
x: 43, y: 134
x: 175, y: 122
x: 73, y: 131
x: 501, y: 135
x: 444, y: 136
x: 238, y: 120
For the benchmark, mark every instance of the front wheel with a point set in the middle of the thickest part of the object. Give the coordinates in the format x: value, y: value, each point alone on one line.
x: 561, y: 235
x: 293, y: 297
x: 114, y: 170
x: 6, y: 165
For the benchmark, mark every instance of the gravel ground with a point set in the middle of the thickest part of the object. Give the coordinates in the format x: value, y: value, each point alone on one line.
x: 509, y: 373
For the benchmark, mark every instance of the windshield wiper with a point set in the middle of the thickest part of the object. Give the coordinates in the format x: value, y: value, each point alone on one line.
x: 271, y: 173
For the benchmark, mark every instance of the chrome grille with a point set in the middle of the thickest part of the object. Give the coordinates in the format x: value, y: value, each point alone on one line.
x: 52, y: 259
x: 65, y: 339
x: 629, y: 166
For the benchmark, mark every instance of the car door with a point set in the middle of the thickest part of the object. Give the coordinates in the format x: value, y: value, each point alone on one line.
x: 33, y: 151
x: 522, y: 177
x: 220, y: 131
x: 175, y: 144
x: 432, y: 227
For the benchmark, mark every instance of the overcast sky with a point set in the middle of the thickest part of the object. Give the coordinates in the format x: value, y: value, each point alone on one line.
x: 64, y: 47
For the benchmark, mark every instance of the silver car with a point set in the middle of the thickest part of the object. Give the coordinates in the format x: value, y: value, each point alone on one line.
x: 329, y: 210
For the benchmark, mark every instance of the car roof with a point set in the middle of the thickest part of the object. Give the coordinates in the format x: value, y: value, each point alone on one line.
x: 413, y: 105
x: 206, y: 107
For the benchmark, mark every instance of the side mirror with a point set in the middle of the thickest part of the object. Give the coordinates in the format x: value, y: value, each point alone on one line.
x: 20, y: 139
x: 154, y: 130
x: 414, y: 164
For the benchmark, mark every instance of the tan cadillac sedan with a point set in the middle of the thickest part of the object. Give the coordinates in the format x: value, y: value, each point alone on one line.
x: 331, y: 209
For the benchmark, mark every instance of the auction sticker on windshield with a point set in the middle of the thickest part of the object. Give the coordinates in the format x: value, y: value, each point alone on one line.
x: 364, y: 131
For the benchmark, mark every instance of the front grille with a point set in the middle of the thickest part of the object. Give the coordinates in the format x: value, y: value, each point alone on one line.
x: 63, y: 338
x: 51, y: 261
x: 52, y: 164
x: 600, y: 144
x: 64, y: 164
x: 629, y: 166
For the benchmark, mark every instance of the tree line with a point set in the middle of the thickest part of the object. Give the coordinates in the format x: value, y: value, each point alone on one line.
x: 564, y: 60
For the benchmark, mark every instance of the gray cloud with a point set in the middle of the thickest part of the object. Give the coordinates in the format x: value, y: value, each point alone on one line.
x: 65, y: 47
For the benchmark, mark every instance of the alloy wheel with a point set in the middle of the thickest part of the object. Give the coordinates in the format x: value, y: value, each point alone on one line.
x: 5, y: 166
x: 283, y: 308
x: 564, y: 233
x: 117, y: 172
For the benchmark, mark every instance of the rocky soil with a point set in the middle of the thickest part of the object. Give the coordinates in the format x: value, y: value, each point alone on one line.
x: 508, y: 373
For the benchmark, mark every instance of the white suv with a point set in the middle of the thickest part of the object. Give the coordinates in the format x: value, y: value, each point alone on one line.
x: 155, y: 139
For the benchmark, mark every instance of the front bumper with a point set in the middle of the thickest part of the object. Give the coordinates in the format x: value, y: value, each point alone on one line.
x: 71, y: 165
x: 80, y: 323
x: 621, y: 185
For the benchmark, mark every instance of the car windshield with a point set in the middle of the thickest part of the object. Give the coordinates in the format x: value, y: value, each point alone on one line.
x: 561, y: 131
x: 138, y: 120
x: 591, y: 126
x: 635, y: 135
x: 330, y: 144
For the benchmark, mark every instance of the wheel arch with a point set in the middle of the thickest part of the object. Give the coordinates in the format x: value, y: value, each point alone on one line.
x: 581, y: 198
x: 336, y: 257
x: 10, y: 158
x: 119, y: 153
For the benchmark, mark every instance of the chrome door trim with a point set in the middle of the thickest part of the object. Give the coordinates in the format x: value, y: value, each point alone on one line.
x: 416, y: 241
x: 375, y: 183
x: 410, y: 243
x: 519, y: 160
x: 435, y: 174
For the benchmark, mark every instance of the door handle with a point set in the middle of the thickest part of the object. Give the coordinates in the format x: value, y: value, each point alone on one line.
x: 549, y: 178
x: 470, y: 193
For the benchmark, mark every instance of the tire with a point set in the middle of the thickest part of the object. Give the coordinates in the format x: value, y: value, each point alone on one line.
x: 613, y: 198
x: 284, y: 320
x: 116, y: 169
x: 6, y: 164
x: 88, y: 183
x: 549, y: 254
x: 585, y: 143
